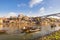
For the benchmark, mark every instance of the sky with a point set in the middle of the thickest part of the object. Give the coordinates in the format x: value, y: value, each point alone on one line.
x: 29, y: 7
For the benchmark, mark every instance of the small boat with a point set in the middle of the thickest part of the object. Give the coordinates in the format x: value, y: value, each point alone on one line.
x: 31, y: 31
x: 2, y: 31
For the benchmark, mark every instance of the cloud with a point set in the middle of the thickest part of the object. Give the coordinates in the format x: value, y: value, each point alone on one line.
x: 34, y: 2
x: 42, y: 10
x: 11, y: 14
x: 21, y: 5
x: 50, y: 7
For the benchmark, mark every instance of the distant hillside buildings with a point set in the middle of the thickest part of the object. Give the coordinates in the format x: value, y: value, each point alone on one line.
x: 13, y: 23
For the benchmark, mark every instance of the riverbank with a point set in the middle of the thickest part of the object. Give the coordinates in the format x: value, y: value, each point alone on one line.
x: 53, y: 36
x: 31, y: 36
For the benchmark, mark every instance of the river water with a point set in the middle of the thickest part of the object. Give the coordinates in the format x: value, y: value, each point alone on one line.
x: 29, y: 36
x: 44, y: 31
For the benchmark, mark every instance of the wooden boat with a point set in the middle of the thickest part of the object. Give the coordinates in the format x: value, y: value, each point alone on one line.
x: 31, y: 31
x: 2, y: 31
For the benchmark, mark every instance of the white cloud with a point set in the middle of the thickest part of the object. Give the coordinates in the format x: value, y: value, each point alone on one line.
x: 11, y: 14
x: 34, y: 2
x: 42, y: 10
x: 50, y: 7
x: 21, y: 5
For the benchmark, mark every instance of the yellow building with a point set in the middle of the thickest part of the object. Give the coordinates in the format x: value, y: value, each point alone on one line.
x: 1, y: 24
